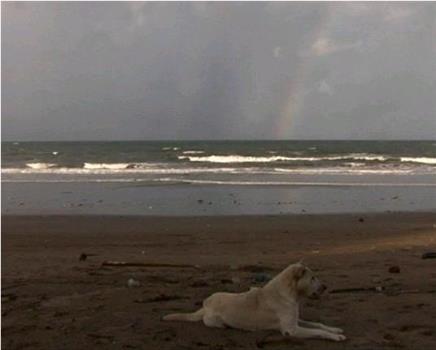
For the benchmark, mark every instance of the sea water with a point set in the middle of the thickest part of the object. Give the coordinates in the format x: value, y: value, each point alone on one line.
x: 218, y: 177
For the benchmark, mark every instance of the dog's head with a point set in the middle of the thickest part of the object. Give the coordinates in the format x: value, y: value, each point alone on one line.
x: 303, y: 281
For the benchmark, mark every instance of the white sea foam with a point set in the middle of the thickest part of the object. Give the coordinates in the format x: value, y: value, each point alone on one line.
x: 363, y: 156
x: 40, y: 165
x: 296, y: 183
x: 253, y: 159
x: 73, y: 180
x: 236, y: 159
x: 175, y: 181
x: 347, y: 171
x: 158, y: 169
x: 354, y: 164
x: 111, y: 166
x: 193, y: 152
x: 422, y: 160
x: 136, y: 169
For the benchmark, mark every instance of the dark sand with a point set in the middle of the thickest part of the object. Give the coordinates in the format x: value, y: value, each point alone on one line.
x: 52, y: 300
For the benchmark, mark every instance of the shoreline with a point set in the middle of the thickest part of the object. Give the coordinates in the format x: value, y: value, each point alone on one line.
x: 113, y: 199
x: 51, y: 299
x: 410, y: 215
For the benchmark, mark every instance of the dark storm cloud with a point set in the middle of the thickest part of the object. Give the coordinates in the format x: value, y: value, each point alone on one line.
x: 218, y: 70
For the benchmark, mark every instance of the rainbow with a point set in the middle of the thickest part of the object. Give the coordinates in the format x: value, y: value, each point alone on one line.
x: 291, y: 112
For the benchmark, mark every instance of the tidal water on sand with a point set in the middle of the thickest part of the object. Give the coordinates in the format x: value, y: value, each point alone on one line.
x: 217, y: 177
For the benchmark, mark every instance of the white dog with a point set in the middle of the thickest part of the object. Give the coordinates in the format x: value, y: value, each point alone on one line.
x: 272, y: 307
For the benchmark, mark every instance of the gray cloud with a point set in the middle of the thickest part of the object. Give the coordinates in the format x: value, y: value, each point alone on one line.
x: 123, y: 70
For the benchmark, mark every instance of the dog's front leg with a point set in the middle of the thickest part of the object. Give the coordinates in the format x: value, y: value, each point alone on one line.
x: 301, y: 332
x: 318, y: 325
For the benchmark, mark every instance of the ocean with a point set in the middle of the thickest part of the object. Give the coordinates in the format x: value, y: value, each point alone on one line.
x: 273, y: 171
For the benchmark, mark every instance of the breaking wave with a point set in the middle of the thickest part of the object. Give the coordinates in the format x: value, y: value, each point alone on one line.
x: 422, y: 160
x: 253, y: 159
x: 40, y: 165
x: 128, y: 169
x: 146, y: 168
x: 111, y: 166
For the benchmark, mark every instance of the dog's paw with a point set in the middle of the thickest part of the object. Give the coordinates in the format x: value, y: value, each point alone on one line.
x: 335, y: 330
x: 338, y: 337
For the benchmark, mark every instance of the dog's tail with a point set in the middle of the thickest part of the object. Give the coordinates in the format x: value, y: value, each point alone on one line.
x: 192, y: 317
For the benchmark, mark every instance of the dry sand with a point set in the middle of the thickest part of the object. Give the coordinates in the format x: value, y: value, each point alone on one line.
x: 53, y: 300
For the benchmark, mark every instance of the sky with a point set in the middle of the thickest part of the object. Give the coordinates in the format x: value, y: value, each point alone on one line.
x: 195, y: 70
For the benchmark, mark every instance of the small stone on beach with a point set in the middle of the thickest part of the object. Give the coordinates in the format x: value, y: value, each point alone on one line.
x: 132, y: 283
x: 394, y: 269
x: 388, y: 337
x: 261, y: 277
x: 226, y: 281
x: 236, y: 280
x: 199, y: 284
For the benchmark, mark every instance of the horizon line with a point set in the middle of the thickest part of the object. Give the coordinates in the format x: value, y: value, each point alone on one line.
x: 224, y: 140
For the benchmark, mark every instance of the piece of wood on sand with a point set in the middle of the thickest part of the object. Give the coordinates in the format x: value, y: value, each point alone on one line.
x: 145, y: 264
x: 357, y: 290
x: 429, y: 255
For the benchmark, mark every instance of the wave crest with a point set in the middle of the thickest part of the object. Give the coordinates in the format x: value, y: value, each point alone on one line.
x: 110, y: 166
x: 40, y: 165
x: 254, y: 159
x: 422, y: 160
x: 193, y: 152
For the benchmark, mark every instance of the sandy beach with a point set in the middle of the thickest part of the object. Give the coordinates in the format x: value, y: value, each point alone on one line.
x: 154, y: 154
x: 52, y: 299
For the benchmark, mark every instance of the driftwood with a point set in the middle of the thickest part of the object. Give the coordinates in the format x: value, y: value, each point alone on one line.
x: 83, y: 256
x: 161, y: 297
x: 411, y: 291
x: 357, y: 289
x: 429, y: 255
x: 141, y: 264
x: 380, y: 289
x: 254, y: 268
x: 100, y: 336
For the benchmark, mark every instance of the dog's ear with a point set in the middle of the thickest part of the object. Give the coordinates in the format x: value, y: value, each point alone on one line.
x: 299, y: 271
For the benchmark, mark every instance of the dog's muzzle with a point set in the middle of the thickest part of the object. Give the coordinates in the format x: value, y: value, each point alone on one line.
x: 322, y: 289
x: 315, y: 295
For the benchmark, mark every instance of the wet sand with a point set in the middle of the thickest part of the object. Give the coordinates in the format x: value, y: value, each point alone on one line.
x: 53, y: 300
